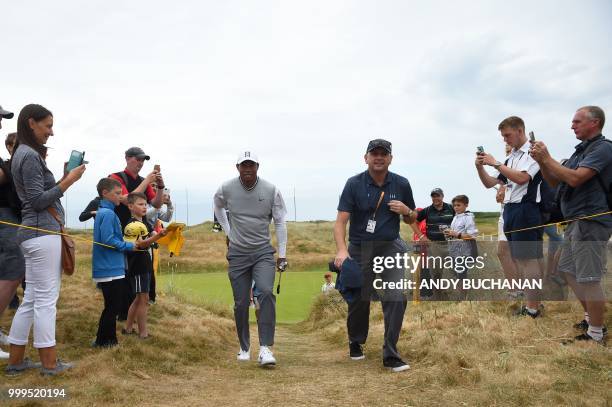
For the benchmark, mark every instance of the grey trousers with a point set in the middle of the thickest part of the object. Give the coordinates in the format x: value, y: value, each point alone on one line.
x: 393, y: 301
x: 244, y: 267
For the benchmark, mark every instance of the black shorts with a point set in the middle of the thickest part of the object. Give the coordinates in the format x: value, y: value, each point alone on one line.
x: 525, y: 244
x: 140, y: 283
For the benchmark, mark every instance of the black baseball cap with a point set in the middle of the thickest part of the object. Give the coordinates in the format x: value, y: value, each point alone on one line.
x: 5, y: 114
x: 136, y: 152
x: 379, y: 143
x: 437, y: 191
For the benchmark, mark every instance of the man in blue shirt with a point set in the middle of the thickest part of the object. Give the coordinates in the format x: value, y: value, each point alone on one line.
x: 373, y: 201
x: 585, y: 181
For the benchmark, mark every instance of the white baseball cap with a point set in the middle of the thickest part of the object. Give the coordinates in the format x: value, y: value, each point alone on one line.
x: 247, y: 156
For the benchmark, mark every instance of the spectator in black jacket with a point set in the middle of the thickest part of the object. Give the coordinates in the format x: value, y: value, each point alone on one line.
x: 91, y: 209
x: 9, y: 143
x: 12, y: 264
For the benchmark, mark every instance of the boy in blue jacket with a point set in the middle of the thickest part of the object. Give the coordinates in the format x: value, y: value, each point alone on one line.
x: 108, y: 260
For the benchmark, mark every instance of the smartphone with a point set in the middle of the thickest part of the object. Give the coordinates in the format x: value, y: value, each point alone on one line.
x: 480, y: 149
x: 76, y: 159
x: 156, y: 167
x: 531, y: 137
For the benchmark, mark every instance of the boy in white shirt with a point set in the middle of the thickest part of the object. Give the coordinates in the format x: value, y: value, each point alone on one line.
x: 463, y: 230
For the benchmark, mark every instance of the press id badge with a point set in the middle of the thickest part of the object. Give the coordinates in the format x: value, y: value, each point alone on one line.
x: 371, y: 226
x: 372, y: 222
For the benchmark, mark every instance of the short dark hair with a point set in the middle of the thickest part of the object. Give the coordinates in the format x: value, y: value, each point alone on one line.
x: 134, y: 196
x: 11, y: 138
x: 513, y: 121
x: 107, y: 184
x: 461, y: 198
x: 595, y: 113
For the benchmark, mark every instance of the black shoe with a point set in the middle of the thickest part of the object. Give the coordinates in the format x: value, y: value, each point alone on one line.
x: 582, y: 325
x: 586, y: 337
x: 523, y: 312
x: 395, y: 364
x: 355, y: 351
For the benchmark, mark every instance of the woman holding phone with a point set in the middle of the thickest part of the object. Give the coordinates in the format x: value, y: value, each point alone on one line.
x: 40, y: 197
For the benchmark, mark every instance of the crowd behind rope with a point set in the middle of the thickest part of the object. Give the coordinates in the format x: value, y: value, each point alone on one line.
x: 129, y: 211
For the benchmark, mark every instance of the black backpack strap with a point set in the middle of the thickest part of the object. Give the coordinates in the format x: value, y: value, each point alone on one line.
x: 501, y: 176
x: 598, y: 177
x: 123, y: 177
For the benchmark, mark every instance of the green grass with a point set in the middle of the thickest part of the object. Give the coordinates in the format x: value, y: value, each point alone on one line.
x: 196, y: 275
x: 298, y: 290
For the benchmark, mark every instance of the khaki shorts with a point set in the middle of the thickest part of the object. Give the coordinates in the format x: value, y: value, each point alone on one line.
x: 584, y: 250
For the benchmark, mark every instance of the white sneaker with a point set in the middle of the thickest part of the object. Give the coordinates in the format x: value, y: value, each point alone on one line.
x: 4, y: 339
x: 244, y: 355
x: 3, y: 354
x: 266, y: 358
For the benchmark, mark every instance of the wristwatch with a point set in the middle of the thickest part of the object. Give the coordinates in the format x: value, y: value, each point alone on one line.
x: 497, y: 165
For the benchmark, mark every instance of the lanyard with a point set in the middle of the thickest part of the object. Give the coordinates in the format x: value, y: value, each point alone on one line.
x: 518, y: 159
x: 382, y: 195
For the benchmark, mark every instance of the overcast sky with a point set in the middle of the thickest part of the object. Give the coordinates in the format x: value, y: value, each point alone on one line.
x: 303, y: 84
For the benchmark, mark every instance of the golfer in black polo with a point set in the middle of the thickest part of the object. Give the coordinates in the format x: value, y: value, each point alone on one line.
x: 373, y: 201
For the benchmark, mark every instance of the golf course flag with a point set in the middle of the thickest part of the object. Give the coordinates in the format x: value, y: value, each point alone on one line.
x: 174, y: 239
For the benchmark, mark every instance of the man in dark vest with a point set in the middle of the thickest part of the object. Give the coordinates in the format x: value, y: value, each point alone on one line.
x: 131, y: 182
x: 438, y: 214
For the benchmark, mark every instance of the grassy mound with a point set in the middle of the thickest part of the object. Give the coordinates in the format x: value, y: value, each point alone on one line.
x: 183, y: 336
x: 478, y: 353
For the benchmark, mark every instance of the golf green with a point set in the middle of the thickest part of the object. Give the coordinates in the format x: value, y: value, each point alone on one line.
x: 298, y: 289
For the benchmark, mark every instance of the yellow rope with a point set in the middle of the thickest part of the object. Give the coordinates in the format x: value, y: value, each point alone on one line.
x: 558, y: 223
x: 56, y: 233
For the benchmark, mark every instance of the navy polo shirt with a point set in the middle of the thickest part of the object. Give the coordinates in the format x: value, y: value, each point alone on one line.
x: 359, y: 198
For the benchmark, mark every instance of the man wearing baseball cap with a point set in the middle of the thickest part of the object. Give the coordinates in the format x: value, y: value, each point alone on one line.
x: 132, y: 182
x: 5, y: 114
x: 373, y: 201
x: 253, y: 203
x: 439, y: 213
